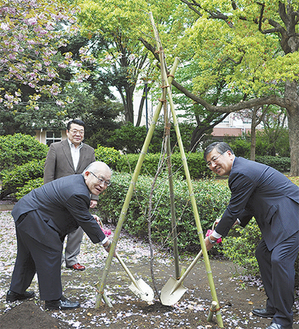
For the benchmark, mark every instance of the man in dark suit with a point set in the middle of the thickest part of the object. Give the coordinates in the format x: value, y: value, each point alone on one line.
x: 262, y: 192
x: 68, y: 157
x: 43, y: 217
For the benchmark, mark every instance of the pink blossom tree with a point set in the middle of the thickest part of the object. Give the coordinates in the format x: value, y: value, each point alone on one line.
x: 31, y: 32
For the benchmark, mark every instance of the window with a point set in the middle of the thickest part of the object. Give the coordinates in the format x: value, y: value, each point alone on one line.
x: 52, y: 137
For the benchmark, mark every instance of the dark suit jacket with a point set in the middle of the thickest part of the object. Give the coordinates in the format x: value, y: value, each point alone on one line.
x: 56, y: 209
x: 263, y: 192
x: 59, y: 162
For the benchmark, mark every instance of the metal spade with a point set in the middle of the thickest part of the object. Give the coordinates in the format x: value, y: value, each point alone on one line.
x: 139, y: 287
x: 173, y: 290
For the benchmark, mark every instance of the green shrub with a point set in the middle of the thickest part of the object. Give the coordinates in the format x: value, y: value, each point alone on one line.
x: 280, y: 164
x: 240, y: 245
x: 20, y: 175
x: 29, y: 186
x: 241, y: 146
x: 18, y: 149
x: 130, y: 139
x: 212, y: 199
x: 196, y: 164
x: 109, y: 155
x: 270, y: 142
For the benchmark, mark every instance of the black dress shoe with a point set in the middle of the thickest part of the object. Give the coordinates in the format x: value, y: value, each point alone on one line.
x: 61, y: 304
x: 263, y: 312
x: 13, y: 296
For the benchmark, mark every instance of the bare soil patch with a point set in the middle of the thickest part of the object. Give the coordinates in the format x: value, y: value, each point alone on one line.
x: 237, y: 296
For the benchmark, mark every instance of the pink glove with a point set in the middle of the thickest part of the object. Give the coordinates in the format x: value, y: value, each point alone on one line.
x: 209, y: 232
x: 106, y: 232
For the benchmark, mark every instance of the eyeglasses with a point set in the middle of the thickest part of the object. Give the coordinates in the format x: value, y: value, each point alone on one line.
x: 75, y: 132
x: 214, y: 160
x: 101, y: 180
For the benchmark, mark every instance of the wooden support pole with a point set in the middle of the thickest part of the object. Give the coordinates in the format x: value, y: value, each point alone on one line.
x: 129, y: 195
x: 212, y: 310
x: 187, y: 174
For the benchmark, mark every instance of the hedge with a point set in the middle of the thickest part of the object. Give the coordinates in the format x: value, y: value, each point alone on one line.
x: 281, y: 164
x: 212, y: 198
x: 21, y: 175
x: 19, y: 149
x: 196, y: 164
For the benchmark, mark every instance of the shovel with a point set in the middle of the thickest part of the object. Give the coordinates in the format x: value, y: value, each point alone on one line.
x: 139, y: 287
x: 173, y: 290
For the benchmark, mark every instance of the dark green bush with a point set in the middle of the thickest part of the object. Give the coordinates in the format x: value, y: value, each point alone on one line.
x: 240, y: 146
x: 196, y: 164
x: 269, y: 142
x: 29, y: 186
x: 240, y: 245
x: 212, y: 199
x: 130, y: 139
x: 109, y: 155
x: 20, y: 175
x: 280, y: 164
x: 18, y: 149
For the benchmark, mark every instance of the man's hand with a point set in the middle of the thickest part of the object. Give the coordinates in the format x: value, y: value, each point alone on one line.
x: 209, y: 245
x: 211, y: 240
x: 97, y: 219
x: 107, y: 247
x: 93, y: 203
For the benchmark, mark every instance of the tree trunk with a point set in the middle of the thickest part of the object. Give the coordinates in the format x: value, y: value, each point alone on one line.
x: 129, y: 109
x: 292, y: 105
x: 140, y: 110
x: 197, y: 134
x: 126, y: 95
x: 293, y: 119
x: 253, y: 136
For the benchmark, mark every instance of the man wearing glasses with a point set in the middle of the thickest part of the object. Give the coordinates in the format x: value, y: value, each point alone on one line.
x: 262, y: 192
x: 43, y: 217
x: 68, y: 157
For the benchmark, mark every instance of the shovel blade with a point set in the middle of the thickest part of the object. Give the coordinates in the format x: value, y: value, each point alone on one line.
x: 142, y: 290
x: 170, y: 294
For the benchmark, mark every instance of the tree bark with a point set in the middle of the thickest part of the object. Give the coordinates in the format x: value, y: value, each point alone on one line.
x: 292, y: 106
x: 253, y: 135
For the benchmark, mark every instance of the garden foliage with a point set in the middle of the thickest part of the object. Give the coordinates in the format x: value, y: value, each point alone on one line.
x: 21, y: 176
x: 196, y: 164
x: 19, y: 149
x: 282, y: 164
x: 240, y: 245
x: 212, y: 199
x: 109, y: 155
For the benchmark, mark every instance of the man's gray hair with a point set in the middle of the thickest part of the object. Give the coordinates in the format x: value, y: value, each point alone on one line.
x: 220, y: 147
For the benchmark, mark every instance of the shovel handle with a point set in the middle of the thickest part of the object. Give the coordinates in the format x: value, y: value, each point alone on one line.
x: 127, y: 270
x: 182, y: 278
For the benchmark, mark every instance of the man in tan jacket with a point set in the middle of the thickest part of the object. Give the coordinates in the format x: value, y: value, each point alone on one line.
x: 68, y: 157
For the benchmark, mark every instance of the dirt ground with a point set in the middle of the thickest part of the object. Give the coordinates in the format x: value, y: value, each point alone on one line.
x: 236, y: 294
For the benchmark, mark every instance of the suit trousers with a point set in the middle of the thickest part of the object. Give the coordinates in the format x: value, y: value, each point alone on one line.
x: 277, y: 269
x: 72, y: 249
x: 34, y: 257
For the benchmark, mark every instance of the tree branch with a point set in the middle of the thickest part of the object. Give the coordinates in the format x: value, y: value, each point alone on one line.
x: 272, y: 99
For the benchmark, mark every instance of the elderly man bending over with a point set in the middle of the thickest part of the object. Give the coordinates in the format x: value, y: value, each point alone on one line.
x: 43, y: 217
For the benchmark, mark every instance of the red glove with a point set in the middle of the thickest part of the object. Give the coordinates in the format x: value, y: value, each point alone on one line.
x: 209, y: 232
